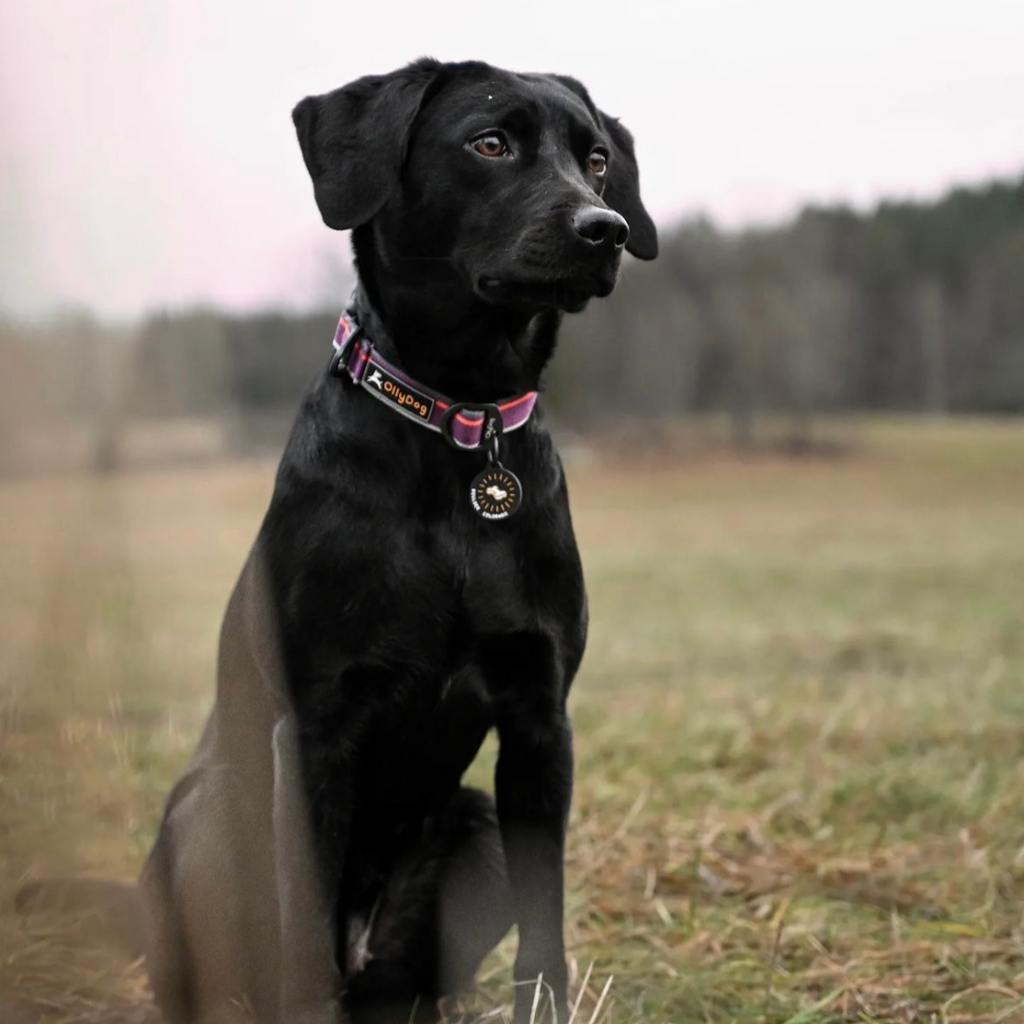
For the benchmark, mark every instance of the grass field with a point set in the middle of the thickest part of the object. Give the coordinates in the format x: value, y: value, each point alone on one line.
x: 800, y: 725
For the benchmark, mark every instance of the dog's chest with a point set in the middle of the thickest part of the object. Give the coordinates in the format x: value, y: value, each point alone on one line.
x: 445, y: 585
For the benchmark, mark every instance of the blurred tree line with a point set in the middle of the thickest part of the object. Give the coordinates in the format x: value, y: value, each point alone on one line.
x: 914, y: 306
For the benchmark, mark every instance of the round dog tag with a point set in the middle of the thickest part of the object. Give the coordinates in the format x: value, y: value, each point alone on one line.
x: 496, y: 493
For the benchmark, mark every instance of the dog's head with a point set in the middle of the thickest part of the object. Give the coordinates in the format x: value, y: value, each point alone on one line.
x: 515, y: 185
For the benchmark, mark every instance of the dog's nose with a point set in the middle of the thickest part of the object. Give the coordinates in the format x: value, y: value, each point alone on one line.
x: 601, y: 227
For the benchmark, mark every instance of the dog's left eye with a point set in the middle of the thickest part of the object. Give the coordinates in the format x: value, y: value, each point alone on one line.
x: 491, y: 144
x: 597, y: 162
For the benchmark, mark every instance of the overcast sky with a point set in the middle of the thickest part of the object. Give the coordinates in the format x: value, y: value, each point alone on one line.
x: 147, y: 156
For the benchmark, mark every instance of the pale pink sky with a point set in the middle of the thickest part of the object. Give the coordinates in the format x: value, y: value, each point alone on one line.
x: 147, y: 155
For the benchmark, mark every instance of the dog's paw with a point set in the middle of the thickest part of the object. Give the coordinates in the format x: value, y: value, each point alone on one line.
x: 537, y: 1002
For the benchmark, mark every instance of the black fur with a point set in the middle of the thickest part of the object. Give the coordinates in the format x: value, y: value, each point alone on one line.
x: 322, y: 845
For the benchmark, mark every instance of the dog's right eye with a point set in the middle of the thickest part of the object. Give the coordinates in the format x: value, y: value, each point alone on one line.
x: 491, y: 144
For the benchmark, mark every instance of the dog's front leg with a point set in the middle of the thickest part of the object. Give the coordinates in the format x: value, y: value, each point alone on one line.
x: 534, y: 788
x: 310, y: 978
x: 533, y: 784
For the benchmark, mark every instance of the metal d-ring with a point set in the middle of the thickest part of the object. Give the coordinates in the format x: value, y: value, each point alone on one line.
x: 491, y: 430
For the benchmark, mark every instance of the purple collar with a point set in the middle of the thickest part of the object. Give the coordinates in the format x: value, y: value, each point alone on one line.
x: 463, y: 424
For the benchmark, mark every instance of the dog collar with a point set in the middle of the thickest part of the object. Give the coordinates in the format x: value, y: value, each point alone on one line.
x: 468, y: 425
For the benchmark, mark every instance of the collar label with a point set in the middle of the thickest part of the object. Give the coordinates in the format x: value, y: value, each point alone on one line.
x: 387, y: 387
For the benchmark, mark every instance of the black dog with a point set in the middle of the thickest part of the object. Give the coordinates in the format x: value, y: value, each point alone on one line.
x: 320, y: 857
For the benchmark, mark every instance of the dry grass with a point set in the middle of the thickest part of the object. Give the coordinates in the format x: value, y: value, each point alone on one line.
x: 799, y: 725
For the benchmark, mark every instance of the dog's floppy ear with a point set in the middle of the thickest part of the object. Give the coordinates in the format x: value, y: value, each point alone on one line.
x: 622, y: 184
x: 354, y: 139
x: 622, y: 191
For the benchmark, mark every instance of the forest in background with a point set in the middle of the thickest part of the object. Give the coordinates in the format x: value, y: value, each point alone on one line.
x: 910, y: 307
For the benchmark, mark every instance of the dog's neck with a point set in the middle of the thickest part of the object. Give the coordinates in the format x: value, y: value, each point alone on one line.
x: 446, y: 337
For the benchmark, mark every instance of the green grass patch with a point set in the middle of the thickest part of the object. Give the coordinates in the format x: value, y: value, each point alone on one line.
x: 799, y: 724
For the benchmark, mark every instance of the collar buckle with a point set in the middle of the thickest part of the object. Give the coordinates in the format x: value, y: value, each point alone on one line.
x: 345, y: 336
